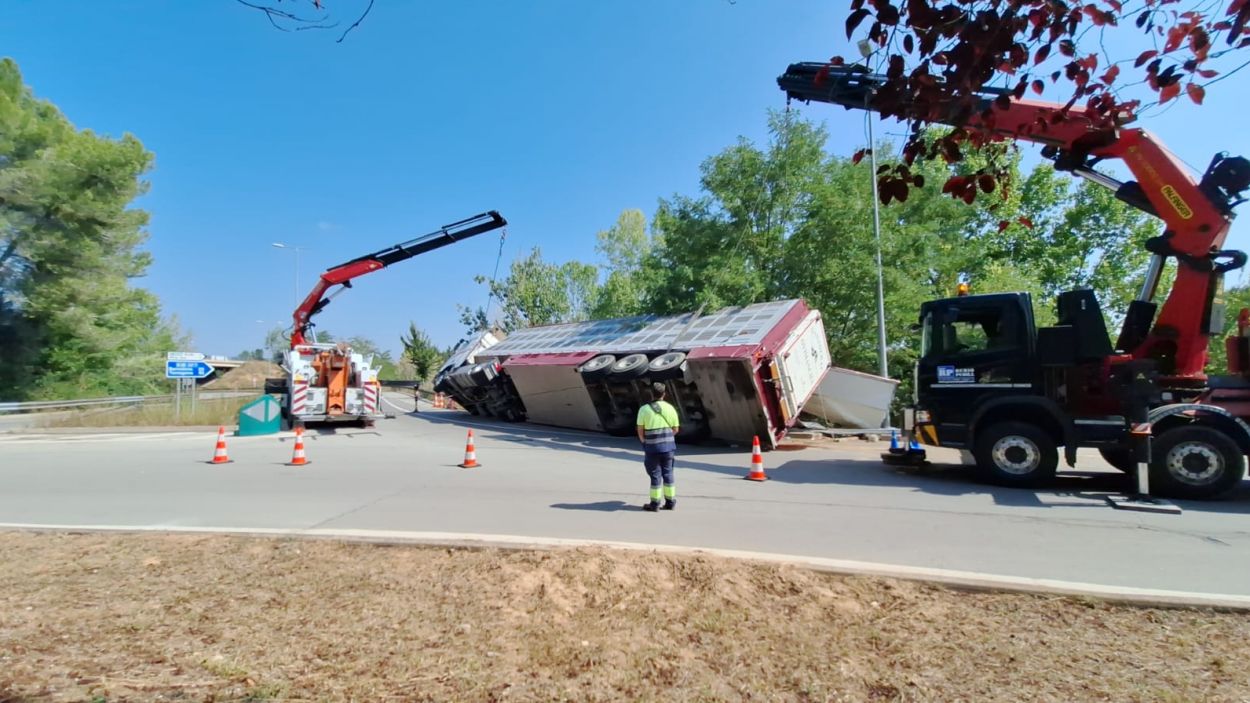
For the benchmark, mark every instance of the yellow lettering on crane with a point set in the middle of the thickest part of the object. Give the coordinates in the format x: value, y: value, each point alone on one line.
x: 1178, y: 203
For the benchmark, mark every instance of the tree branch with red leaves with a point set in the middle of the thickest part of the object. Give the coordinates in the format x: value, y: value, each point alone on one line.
x: 939, y: 58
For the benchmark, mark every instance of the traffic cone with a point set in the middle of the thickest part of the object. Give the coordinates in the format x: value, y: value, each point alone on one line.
x: 470, y: 455
x: 914, y: 446
x: 298, y: 458
x: 438, y: 401
x: 893, y: 440
x: 757, y: 462
x: 219, y: 454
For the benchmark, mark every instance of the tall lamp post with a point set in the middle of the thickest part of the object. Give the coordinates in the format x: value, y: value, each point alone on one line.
x: 297, y: 250
x: 866, y: 51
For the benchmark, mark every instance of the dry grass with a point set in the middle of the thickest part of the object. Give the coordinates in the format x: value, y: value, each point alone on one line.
x: 138, y: 618
x: 208, y: 411
x: 250, y: 376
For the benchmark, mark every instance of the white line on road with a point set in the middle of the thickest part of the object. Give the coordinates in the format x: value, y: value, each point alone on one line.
x: 961, y: 579
x: 98, y: 437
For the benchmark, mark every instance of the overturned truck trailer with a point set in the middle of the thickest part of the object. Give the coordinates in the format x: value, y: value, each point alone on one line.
x: 732, y: 374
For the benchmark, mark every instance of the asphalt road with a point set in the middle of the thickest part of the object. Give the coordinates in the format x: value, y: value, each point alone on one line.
x: 836, y: 502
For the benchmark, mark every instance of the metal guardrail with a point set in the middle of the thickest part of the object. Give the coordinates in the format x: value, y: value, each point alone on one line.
x: 37, y: 405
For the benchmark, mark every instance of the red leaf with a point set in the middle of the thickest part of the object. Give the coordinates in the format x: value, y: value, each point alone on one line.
x: 987, y: 183
x: 1041, y: 54
x: 1025, y: 221
x: 1175, y: 36
x: 1067, y: 48
x: 853, y: 21
x: 908, y: 44
x: 1038, y: 87
x: 918, y: 180
x: 1208, y: 73
x: 1115, y: 5
x: 859, y: 156
x: 953, y: 184
x: 1144, y: 57
x: 1109, y: 76
x: 970, y: 195
x: 1169, y: 91
x: 1094, y: 14
x: 1196, y: 93
x: 1003, y: 225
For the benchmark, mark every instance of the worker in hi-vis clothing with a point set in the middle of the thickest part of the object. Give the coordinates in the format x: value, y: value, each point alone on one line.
x: 657, y: 430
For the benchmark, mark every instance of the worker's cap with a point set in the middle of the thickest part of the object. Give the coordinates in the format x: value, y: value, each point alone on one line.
x: 657, y: 388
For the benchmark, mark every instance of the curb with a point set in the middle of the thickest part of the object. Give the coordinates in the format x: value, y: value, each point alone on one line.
x: 967, y: 580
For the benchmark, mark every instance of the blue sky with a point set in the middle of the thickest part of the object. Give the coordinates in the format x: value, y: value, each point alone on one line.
x: 557, y: 114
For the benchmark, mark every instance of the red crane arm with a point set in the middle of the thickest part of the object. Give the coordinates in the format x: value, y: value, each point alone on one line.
x: 1197, y: 214
x: 345, y: 272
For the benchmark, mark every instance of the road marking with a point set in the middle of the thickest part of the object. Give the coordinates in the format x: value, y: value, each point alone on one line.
x: 949, y: 577
x: 99, y: 437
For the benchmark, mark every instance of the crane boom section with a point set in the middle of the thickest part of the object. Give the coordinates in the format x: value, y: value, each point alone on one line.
x: 345, y: 272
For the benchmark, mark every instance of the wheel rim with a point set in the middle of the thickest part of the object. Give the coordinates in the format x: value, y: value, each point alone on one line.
x: 599, y: 362
x: 630, y: 362
x: 1195, y: 463
x: 1016, y: 455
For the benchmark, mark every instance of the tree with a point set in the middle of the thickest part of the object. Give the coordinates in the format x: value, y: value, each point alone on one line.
x: 725, y: 248
x: 624, y: 248
x: 939, y: 58
x: 537, y: 292
x: 421, y: 352
x: 252, y: 355
x: 277, y: 343
x: 70, y: 323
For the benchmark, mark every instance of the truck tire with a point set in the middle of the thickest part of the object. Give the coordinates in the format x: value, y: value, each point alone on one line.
x: 667, y: 366
x: 598, y: 367
x: 1016, y: 454
x: 629, y: 367
x: 1195, y: 462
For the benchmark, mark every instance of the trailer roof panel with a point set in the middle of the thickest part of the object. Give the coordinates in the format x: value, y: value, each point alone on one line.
x: 729, y: 327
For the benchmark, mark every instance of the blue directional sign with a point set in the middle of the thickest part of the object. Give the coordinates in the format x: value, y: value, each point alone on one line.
x: 187, y: 369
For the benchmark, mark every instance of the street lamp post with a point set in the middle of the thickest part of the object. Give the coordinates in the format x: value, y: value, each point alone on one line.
x: 865, y: 49
x: 297, y: 250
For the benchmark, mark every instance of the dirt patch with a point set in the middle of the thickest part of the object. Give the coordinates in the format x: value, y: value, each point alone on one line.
x: 196, y: 618
x: 250, y: 375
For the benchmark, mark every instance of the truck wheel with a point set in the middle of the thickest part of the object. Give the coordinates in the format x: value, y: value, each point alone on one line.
x: 1016, y: 454
x: 597, y: 367
x: 628, y: 367
x: 1119, y: 458
x: 667, y: 366
x: 1194, y: 461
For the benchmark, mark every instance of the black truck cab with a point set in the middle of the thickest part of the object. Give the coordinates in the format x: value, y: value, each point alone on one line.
x: 973, y: 349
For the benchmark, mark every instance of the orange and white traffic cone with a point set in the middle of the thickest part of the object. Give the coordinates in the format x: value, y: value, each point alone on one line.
x: 470, y: 455
x: 757, y: 462
x: 219, y: 454
x: 298, y: 458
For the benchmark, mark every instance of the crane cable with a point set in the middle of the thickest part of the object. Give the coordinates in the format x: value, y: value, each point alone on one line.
x: 490, y: 295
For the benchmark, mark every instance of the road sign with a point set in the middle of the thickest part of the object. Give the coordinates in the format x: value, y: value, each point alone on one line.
x: 184, y: 356
x: 187, y: 369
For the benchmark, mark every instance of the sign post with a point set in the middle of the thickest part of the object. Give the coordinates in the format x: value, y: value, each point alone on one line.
x: 185, y: 368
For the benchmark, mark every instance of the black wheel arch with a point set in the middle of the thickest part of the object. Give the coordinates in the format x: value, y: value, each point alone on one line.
x: 1043, y: 412
x: 1166, y: 417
